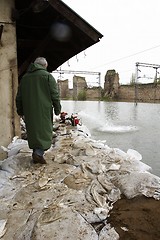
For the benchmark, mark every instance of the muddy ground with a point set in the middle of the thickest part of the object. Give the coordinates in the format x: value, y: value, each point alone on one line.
x: 136, y: 219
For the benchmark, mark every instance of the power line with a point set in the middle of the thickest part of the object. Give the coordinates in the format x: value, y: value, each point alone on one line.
x: 76, y: 72
x: 134, y: 54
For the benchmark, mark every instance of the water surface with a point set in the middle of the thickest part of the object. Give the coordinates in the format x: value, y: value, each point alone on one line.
x: 123, y: 125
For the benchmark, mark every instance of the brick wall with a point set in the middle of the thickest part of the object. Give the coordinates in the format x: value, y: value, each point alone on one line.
x: 143, y: 93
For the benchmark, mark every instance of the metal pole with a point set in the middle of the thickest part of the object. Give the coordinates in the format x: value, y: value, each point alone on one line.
x: 155, y: 85
x: 135, y: 84
x: 99, y: 77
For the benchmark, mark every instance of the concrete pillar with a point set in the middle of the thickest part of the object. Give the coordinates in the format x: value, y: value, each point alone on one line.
x: 9, y: 121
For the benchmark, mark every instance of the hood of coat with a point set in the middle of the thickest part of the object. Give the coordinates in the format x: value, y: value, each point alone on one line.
x: 35, y: 66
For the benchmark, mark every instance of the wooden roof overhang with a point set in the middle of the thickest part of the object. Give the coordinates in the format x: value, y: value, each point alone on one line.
x: 51, y: 29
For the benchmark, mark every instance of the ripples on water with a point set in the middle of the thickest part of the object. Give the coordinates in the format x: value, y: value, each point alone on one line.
x: 122, y: 125
x: 117, y: 129
x: 108, y: 126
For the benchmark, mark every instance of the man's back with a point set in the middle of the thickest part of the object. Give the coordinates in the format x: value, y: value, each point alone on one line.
x: 37, y: 96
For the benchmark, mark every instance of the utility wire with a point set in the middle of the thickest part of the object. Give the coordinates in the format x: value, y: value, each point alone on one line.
x: 119, y: 59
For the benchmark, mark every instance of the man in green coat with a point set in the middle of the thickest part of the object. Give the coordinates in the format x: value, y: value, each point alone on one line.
x: 36, y: 98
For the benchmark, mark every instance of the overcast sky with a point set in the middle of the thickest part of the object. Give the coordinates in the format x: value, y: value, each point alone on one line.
x: 131, y: 34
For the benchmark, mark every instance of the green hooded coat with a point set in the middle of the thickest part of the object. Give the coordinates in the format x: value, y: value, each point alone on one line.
x: 36, y: 97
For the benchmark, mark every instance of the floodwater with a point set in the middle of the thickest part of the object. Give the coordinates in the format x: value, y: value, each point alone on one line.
x: 122, y: 125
